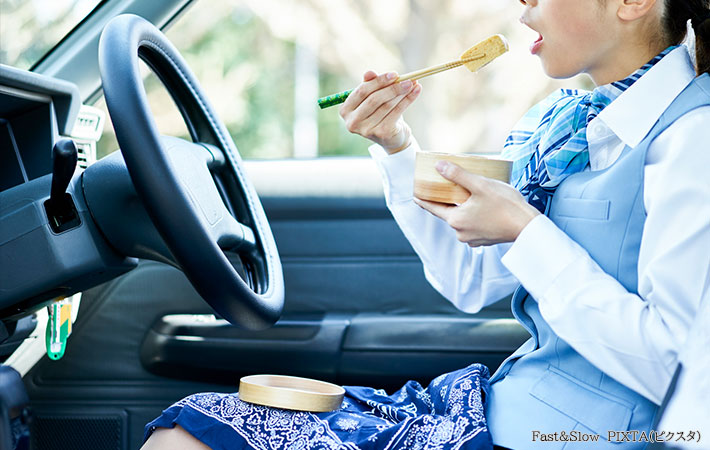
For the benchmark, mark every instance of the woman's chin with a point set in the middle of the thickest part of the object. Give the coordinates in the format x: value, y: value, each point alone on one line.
x: 556, y: 70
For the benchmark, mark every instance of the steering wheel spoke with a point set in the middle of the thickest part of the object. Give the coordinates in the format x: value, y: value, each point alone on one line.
x: 234, y: 236
x: 215, y: 157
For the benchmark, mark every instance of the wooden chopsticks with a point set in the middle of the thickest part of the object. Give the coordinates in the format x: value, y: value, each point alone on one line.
x: 340, y: 97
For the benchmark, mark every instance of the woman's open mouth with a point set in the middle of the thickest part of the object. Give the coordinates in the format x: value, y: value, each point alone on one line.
x: 535, y: 46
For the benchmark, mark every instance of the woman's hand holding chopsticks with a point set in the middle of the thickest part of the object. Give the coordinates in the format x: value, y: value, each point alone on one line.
x: 374, y: 110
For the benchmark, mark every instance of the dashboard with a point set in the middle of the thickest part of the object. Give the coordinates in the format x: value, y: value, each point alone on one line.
x: 40, y: 262
x: 28, y: 128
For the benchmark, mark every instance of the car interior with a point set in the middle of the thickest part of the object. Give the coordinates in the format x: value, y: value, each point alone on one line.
x: 186, y: 266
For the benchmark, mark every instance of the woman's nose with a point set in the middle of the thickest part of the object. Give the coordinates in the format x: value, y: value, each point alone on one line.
x: 528, y: 2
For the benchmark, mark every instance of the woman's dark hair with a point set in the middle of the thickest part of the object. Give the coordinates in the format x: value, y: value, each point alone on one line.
x: 677, y: 14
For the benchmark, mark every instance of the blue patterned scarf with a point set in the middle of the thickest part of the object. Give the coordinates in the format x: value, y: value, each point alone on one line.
x: 550, y: 142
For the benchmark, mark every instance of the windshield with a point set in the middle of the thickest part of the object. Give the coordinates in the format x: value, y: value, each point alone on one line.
x: 31, y: 28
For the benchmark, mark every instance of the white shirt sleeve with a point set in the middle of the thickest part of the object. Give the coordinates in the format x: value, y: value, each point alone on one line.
x: 470, y: 278
x: 689, y: 406
x: 633, y: 338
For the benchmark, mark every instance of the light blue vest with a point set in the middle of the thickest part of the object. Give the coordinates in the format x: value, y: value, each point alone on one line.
x: 546, y: 386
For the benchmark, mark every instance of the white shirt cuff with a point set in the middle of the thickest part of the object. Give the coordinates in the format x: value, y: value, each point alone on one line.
x: 397, y: 171
x: 540, y: 254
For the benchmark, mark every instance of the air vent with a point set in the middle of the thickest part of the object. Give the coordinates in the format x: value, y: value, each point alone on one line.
x: 87, y: 131
x: 86, y: 154
x: 89, y: 124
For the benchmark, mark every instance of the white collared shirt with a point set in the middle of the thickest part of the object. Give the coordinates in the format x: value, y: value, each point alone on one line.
x: 633, y: 338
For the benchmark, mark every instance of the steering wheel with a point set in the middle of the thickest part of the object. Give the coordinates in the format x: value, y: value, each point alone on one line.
x: 202, y: 206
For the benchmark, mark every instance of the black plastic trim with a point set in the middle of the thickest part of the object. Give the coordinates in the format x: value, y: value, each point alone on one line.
x: 65, y: 95
x: 207, y: 349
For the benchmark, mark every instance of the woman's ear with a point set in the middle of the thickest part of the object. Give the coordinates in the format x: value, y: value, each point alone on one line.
x: 630, y: 10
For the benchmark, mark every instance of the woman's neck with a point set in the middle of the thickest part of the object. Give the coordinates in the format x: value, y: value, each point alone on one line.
x: 624, y: 62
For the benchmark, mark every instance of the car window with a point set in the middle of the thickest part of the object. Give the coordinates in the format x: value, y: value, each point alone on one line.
x: 30, y: 28
x: 264, y: 63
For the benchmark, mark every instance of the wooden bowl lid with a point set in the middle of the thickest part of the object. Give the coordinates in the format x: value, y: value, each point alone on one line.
x: 296, y: 393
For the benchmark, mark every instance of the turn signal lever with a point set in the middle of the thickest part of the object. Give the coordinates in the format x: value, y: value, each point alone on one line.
x: 60, y: 206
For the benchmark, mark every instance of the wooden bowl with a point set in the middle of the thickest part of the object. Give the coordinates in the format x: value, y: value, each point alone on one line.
x: 299, y: 394
x: 430, y: 185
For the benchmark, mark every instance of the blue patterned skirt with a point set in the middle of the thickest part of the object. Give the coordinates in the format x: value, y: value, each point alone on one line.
x: 448, y: 414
